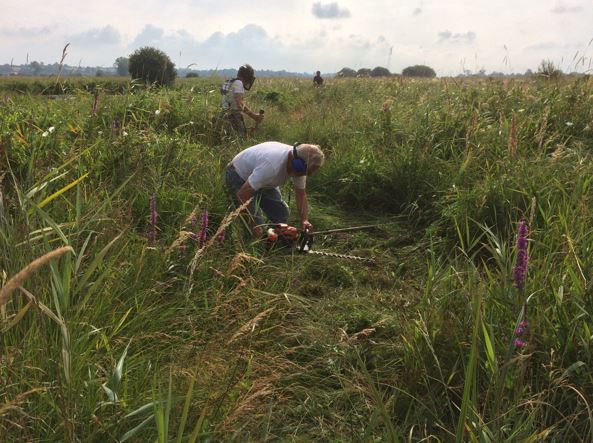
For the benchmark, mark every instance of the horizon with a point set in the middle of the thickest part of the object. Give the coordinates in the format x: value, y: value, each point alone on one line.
x: 224, y: 72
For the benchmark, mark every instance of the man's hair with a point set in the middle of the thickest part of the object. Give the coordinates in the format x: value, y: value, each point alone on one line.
x: 312, y: 155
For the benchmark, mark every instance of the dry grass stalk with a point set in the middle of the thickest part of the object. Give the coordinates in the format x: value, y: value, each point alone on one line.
x: 532, y: 212
x: 541, y: 133
x: 61, y: 63
x: 513, y: 137
x: 239, y: 259
x: 20, y: 398
x: 1, y: 200
x: 183, y: 235
x: 250, y: 325
x: 17, y: 280
x: 223, y: 225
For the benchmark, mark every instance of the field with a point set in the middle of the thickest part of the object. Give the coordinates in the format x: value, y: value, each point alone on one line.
x: 474, y: 323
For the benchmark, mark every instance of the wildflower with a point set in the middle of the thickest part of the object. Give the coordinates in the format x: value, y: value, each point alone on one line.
x: 51, y: 129
x: 157, y: 112
x: 521, y: 327
x: 45, y: 134
x: 569, y: 123
x: 153, y: 218
x: 204, y: 228
x: 519, y: 343
x: 520, y: 269
x: 125, y: 134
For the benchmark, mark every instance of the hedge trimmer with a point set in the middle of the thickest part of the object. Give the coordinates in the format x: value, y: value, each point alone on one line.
x: 303, y: 240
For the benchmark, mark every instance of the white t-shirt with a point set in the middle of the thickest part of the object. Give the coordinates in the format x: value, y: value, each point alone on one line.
x: 264, y: 166
x: 229, y: 90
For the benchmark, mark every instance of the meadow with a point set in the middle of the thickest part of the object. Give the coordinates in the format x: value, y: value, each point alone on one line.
x: 128, y: 314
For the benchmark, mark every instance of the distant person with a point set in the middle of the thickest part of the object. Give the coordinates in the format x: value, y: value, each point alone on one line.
x: 318, y: 80
x: 260, y: 170
x: 233, y: 105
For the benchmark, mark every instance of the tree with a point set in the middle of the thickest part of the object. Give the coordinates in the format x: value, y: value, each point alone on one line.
x: 548, y: 69
x: 346, y: 72
x: 152, y: 66
x: 35, y: 67
x: 379, y: 71
x: 122, y: 65
x: 192, y: 74
x: 423, y: 71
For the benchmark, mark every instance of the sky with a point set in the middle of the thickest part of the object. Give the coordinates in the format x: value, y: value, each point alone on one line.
x: 305, y: 36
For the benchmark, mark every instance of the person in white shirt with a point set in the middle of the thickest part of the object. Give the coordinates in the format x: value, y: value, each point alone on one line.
x: 233, y: 105
x: 260, y: 170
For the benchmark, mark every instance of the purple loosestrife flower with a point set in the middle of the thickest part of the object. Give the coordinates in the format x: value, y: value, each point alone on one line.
x: 521, y: 327
x: 520, y: 330
x: 520, y: 269
x: 204, y: 228
x: 153, y: 218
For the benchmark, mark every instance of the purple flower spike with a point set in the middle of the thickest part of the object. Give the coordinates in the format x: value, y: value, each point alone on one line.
x: 153, y: 218
x: 204, y: 228
x: 519, y: 343
x: 520, y: 269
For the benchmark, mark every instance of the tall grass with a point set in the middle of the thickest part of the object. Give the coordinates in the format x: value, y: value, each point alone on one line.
x: 122, y: 340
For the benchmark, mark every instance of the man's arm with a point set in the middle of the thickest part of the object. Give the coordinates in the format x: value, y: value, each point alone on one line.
x: 243, y: 107
x: 303, y: 207
x: 244, y: 194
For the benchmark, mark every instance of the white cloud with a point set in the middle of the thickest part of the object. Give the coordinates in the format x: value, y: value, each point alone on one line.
x: 457, y: 38
x: 28, y: 32
x: 149, y: 35
x: 563, y: 8
x: 329, y: 11
x: 97, y: 37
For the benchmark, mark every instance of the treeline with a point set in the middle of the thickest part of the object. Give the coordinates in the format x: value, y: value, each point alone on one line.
x: 59, y: 86
x: 379, y: 71
x: 39, y: 69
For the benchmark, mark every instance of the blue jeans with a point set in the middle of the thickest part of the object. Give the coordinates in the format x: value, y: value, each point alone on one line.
x: 268, y: 200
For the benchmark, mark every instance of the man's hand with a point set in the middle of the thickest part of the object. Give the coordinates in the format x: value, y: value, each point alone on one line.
x: 257, y: 117
x: 245, y: 192
x: 307, y: 226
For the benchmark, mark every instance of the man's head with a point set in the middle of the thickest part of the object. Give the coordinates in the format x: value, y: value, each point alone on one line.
x: 247, y: 75
x: 310, y: 155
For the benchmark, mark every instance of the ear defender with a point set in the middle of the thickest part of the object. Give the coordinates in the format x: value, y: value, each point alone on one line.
x: 298, y: 164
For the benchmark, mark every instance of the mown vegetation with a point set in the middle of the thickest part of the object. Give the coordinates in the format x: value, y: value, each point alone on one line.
x: 119, y: 337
